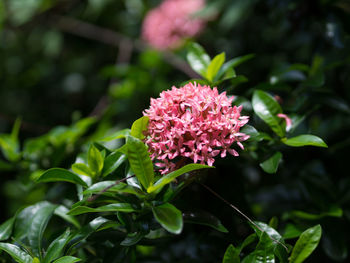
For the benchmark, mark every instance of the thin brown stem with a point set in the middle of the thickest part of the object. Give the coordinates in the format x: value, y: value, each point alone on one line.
x: 110, y: 37
x: 94, y: 197
x: 241, y: 213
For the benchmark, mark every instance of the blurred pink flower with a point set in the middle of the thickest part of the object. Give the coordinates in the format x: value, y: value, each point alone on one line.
x: 171, y: 22
x: 287, y: 119
x: 193, y: 121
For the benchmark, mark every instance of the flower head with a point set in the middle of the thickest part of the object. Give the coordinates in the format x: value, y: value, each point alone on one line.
x: 167, y: 25
x: 193, y: 121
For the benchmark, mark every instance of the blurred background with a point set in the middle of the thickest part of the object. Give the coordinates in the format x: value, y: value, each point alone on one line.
x: 64, y: 61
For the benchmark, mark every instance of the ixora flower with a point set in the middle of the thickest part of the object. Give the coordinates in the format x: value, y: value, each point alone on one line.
x: 170, y: 23
x: 195, y: 122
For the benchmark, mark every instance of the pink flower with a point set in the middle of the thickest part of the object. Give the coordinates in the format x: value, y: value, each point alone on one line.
x: 195, y: 122
x: 287, y: 119
x: 170, y: 23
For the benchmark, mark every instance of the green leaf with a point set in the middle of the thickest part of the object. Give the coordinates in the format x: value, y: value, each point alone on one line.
x: 291, y: 231
x: 139, y: 126
x: 10, y: 147
x: 16, y: 253
x: 214, y: 66
x: 118, y: 135
x: 278, y: 249
x: 304, y: 140
x: 264, y: 250
x: 67, y: 259
x: 231, y: 255
x: 267, y: 108
x: 56, y: 247
x: 95, y: 160
x: 306, y: 244
x: 204, y: 218
x: 116, y: 188
x: 271, y: 165
x: 173, y: 175
x: 231, y: 64
x: 6, y: 228
x: 86, y: 231
x: 169, y: 217
x: 122, y: 207
x: 60, y: 175
x: 82, y: 168
x: 112, y: 162
x: 38, y: 225
x: 140, y: 161
x: 198, y: 59
x: 132, y: 239
x: 62, y: 211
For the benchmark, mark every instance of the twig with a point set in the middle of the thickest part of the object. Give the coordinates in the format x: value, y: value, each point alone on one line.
x: 94, y: 197
x: 241, y: 213
x: 110, y: 37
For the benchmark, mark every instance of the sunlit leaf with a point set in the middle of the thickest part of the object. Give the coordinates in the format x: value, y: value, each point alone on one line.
x: 139, y: 126
x: 214, y: 66
x: 267, y: 108
x: 198, y: 59
x: 16, y: 253
x: 305, y: 140
x: 140, y: 161
x: 306, y: 244
x: 166, y: 179
x: 122, y: 207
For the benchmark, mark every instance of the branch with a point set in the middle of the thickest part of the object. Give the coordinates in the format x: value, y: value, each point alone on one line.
x: 112, y: 38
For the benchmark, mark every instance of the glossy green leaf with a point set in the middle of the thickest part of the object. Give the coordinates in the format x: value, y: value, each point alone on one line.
x: 267, y: 108
x: 60, y: 175
x: 271, y: 165
x: 204, y: 218
x: 37, y: 226
x: 231, y: 255
x: 306, y: 244
x: 112, y: 162
x: 263, y: 252
x: 95, y: 159
x: 67, y: 259
x: 139, y: 126
x: 305, y: 140
x: 116, y: 188
x: 6, y: 228
x: 82, y: 168
x: 140, y: 161
x: 198, y: 59
x: 232, y: 64
x: 122, y: 207
x: 275, y: 237
x: 16, y: 253
x: 86, y: 231
x: 132, y: 239
x: 118, y: 135
x: 56, y: 247
x: 215, y: 66
x: 164, y: 180
x: 62, y: 211
x: 169, y: 217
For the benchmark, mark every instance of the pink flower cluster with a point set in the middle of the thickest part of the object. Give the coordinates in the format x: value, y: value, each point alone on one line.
x: 193, y: 121
x: 167, y: 25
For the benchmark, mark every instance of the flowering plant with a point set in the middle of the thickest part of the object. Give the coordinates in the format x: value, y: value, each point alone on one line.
x: 171, y: 22
x: 194, y: 122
